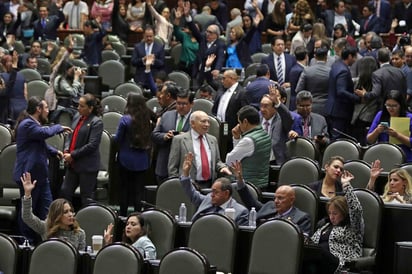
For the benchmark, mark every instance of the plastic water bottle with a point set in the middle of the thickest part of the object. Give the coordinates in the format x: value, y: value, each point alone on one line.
x: 182, y: 212
x: 252, y: 217
x: 242, y: 74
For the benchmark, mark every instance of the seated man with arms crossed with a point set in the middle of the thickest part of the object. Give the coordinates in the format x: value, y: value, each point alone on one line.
x: 217, y: 200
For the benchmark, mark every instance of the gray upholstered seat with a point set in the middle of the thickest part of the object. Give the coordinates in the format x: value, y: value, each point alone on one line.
x: 118, y: 258
x: 184, y: 261
x: 54, y: 256
x: 258, y: 56
x: 209, y: 230
x: 361, y: 170
x: 254, y: 191
x: 153, y: 104
x: 298, y: 170
x: 161, y: 230
x: 302, y: 146
x: 276, y: 248
x: 181, y: 78
x: 37, y: 88
x: 112, y: 73
x: 114, y: 103
x: 345, y: 148
x: 390, y: 155
x: 9, y: 253
x: 203, y: 104
x: 111, y: 121
x: 308, y: 201
x: 5, y: 136
x: 124, y: 89
x: 30, y: 74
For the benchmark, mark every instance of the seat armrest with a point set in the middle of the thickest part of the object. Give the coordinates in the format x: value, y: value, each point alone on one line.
x: 362, y: 263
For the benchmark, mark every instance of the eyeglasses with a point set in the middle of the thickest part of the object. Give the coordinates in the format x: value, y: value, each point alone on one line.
x: 391, y: 106
x: 183, y: 104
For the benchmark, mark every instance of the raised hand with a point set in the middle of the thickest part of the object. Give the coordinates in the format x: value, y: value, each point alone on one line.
x: 346, y: 177
x: 376, y: 169
x: 187, y: 164
x: 28, y: 185
x: 108, y: 234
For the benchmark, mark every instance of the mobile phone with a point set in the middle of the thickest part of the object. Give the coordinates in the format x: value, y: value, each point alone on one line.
x: 384, y: 124
x: 175, y: 132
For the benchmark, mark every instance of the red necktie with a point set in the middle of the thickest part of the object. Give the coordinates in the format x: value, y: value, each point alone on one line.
x: 306, y: 128
x: 204, y: 159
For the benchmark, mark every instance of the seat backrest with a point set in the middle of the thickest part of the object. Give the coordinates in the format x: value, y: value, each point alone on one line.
x: 161, y: 230
x: 254, y: 191
x: 372, y: 207
x: 94, y: 218
x: 184, y: 261
x: 248, y: 79
x: 170, y: 195
x: 360, y: 170
x: 30, y: 74
x: 276, y: 244
x: 181, y: 78
x: 78, y: 40
x: 210, y: 229
x: 302, y: 146
x: 56, y: 141
x: 78, y: 63
x: 111, y: 121
x: 153, y: 104
x: 110, y: 55
x: 43, y: 65
x: 65, y: 119
x: 175, y: 52
x: 5, y: 136
x: 115, y: 103
x: 37, y: 88
x: 390, y: 155
x: 202, y: 104
x: 308, y: 201
x: 251, y: 69
x: 9, y: 252
x: 118, y: 258
x: 112, y: 73
x: 124, y: 89
x: 7, y: 160
x: 105, y: 150
x: 407, y: 167
x: 214, y: 128
x: 258, y: 56
x: 267, y: 48
x: 119, y: 48
x: 54, y: 256
x: 298, y: 170
x: 345, y: 148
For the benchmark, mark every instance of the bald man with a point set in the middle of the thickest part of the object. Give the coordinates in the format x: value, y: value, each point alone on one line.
x: 282, y: 207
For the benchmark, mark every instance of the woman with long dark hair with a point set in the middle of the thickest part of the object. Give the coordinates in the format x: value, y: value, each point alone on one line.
x: 133, y: 137
x: 381, y: 130
x: 68, y: 85
x: 275, y: 23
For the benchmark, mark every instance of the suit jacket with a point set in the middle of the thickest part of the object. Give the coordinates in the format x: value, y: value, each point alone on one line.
x: 268, y: 210
x: 137, y: 60
x: 316, y: 80
x: 385, y: 13
x: 32, y: 150
x: 270, y: 61
x: 280, y: 127
x: 167, y: 122
x: 385, y: 79
x: 374, y: 24
x: 204, y: 20
x: 329, y: 19
x: 294, y: 75
x: 218, y: 48
x: 86, y: 154
x: 236, y: 102
x: 49, y: 32
x: 256, y: 89
x: 341, y: 98
x: 204, y: 203
x: 183, y: 144
x: 401, y: 13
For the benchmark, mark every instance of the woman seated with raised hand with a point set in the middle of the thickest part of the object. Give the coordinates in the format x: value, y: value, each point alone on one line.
x: 398, y: 189
x: 135, y: 234
x: 60, y: 221
x: 340, y: 236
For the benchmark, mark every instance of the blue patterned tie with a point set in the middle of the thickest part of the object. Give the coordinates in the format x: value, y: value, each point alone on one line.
x: 279, y: 71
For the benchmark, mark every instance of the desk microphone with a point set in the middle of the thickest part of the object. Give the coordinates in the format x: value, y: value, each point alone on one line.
x: 346, y: 135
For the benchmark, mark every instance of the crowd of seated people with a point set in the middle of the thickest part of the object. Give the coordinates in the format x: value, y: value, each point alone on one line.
x: 344, y: 81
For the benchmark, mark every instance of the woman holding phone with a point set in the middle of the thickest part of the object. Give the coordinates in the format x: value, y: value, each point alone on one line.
x: 381, y: 130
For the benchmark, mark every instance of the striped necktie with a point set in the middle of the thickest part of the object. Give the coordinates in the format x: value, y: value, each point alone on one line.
x: 279, y: 70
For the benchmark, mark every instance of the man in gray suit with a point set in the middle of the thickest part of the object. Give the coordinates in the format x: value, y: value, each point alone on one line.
x: 203, y: 146
x: 315, y: 78
x: 206, y: 19
x: 171, y: 123
x: 313, y: 125
x: 217, y: 201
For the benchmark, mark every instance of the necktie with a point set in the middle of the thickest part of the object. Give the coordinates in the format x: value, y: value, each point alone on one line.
x: 365, y: 25
x: 147, y: 49
x: 217, y: 209
x: 377, y: 7
x: 266, y: 123
x: 204, y: 159
x: 279, y: 71
x: 306, y: 128
x: 180, y: 123
x: 43, y: 23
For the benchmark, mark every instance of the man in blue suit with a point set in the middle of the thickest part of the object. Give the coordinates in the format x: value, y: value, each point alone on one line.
x: 32, y: 156
x: 258, y: 87
x: 141, y: 50
x: 369, y: 22
x: 46, y: 26
x: 217, y: 201
x: 341, y: 96
x: 383, y: 10
x: 279, y: 62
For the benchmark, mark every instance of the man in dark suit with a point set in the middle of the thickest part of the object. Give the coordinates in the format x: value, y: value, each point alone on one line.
x: 229, y: 101
x: 369, y: 22
x: 217, y: 201
x: 301, y: 55
x: 315, y: 78
x: 341, y: 96
x: 210, y: 47
x: 148, y: 46
x: 282, y: 207
x: 259, y: 87
x: 171, y: 123
x: 190, y: 142
x: 219, y: 9
x: 383, y: 10
x: 32, y: 156
x: 46, y: 26
x: 337, y: 15
x: 279, y: 62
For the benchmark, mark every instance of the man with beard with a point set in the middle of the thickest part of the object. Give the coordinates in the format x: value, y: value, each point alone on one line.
x: 32, y: 156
